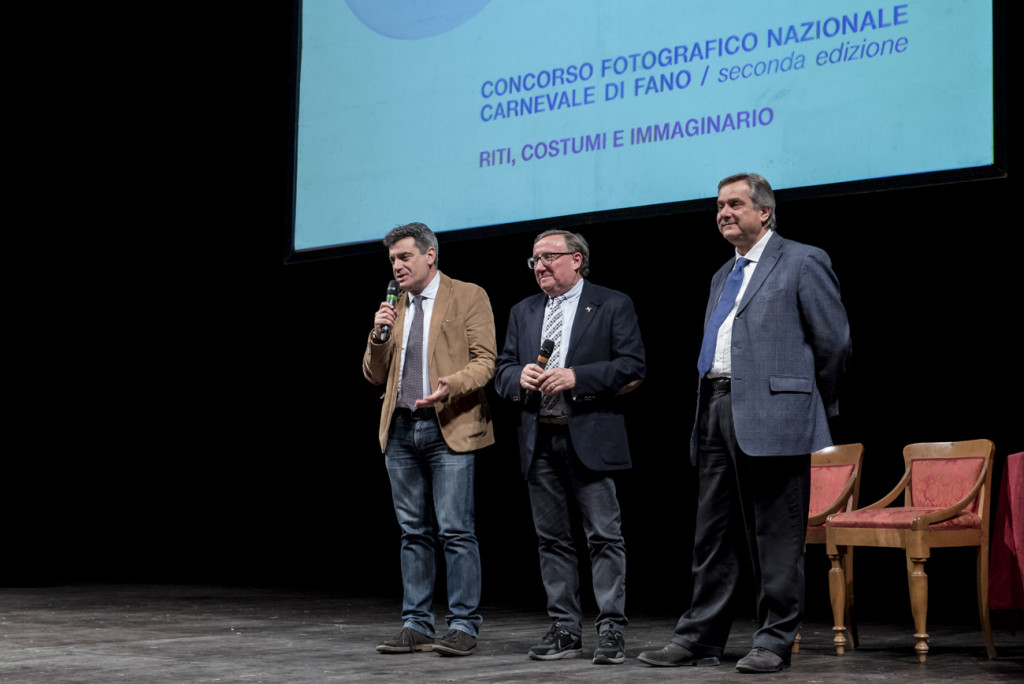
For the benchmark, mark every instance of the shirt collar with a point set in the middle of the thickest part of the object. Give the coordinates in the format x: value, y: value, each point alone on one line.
x: 430, y: 291
x: 754, y: 253
x: 572, y: 293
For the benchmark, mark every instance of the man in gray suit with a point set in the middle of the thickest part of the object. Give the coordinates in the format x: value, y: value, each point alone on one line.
x: 775, y: 346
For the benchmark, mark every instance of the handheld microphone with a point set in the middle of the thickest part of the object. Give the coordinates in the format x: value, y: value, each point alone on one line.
x: 392, y: 297
x: 546, y: 349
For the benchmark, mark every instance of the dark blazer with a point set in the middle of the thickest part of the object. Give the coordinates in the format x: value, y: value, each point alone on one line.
x: 790, y: 345
x: 607, y: 356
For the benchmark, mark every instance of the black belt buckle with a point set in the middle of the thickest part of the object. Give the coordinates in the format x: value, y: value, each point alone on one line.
x: 720, y: 384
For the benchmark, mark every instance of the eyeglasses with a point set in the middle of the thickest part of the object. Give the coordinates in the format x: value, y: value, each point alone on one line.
x: 548, y: 259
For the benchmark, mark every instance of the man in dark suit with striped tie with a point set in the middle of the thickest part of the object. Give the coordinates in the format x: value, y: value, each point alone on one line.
x: 572, y: 434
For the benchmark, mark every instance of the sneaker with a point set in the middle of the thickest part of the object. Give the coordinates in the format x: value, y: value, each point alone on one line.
x: 456, y: 643
x: 407, y: 641
x: 761, y: 660
x: 559, y: 643
x: 611, y: 648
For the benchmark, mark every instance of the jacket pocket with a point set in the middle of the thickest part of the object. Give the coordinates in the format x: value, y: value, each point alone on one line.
x: 455, y: 346
x: 783, y: 383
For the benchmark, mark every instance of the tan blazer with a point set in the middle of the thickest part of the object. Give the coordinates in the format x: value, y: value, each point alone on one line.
x: 460, y: 347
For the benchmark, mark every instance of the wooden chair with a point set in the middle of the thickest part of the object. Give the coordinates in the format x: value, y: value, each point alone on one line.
x: 835, y: 486
x: 946, y: 490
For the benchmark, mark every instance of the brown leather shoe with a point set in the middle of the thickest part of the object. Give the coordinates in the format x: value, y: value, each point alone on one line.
x: 407, y: 641
x: 456, y: 643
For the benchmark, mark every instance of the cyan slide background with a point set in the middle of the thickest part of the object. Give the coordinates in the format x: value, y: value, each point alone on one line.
x: 390, y: 128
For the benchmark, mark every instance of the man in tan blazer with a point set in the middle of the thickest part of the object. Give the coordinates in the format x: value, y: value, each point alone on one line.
x: 434, y: 350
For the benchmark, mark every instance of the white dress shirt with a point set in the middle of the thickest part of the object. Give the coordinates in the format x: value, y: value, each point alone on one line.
x: 721, y: 365
x: 429, y: 294
x: 570, y: 302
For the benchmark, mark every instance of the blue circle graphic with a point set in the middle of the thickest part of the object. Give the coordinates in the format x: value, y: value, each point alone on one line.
x: 414, y: 19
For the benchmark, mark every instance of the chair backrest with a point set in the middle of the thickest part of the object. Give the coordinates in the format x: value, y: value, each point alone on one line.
x: 943, y: 473
x: 831, y: 470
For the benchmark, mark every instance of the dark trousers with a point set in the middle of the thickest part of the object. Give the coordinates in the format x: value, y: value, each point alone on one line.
x: 560, y: 488
x: 746, y: 505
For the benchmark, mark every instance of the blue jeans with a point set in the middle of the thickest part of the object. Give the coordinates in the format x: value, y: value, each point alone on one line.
x: 432, y: 489
x: 562, y: 489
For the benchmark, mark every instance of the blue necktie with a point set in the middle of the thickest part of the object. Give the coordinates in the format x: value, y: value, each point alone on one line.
x: 725, y: 303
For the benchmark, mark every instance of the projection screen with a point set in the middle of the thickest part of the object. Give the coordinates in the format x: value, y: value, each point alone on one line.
x: 467, y: 114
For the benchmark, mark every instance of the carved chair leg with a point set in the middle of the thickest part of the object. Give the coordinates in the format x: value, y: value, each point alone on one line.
x: 851, y: 615
x: 919, y: 604
x: 837, y: 592
x: 983, y: 607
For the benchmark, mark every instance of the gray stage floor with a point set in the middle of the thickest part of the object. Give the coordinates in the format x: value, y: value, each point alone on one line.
x: 216, y: 634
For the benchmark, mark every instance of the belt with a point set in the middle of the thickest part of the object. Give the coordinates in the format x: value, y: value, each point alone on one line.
x: 720, y: 384
x: 553, y: 420
x: 426, y: 413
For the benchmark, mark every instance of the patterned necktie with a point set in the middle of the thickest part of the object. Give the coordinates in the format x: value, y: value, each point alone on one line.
x: 725, y: 304
x: 553, y: 332
x: 412, y: 372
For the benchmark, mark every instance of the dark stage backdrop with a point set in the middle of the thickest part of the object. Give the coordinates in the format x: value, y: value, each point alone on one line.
x: 247, y: 452
x: 206, y: 420
x: 931, y: 312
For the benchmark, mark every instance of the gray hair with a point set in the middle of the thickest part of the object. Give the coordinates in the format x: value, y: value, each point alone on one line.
x: 761, y: 192
x: 574, y: 242
x: 421, y: 235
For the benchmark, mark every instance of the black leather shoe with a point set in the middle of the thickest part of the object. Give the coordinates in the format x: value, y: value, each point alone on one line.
x: 675, y: 655
x: 456, y: 643
x: 761, y: 660
x: 407, y: 641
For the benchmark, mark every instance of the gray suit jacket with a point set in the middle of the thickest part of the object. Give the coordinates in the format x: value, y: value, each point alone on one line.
x: 790, y: 345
